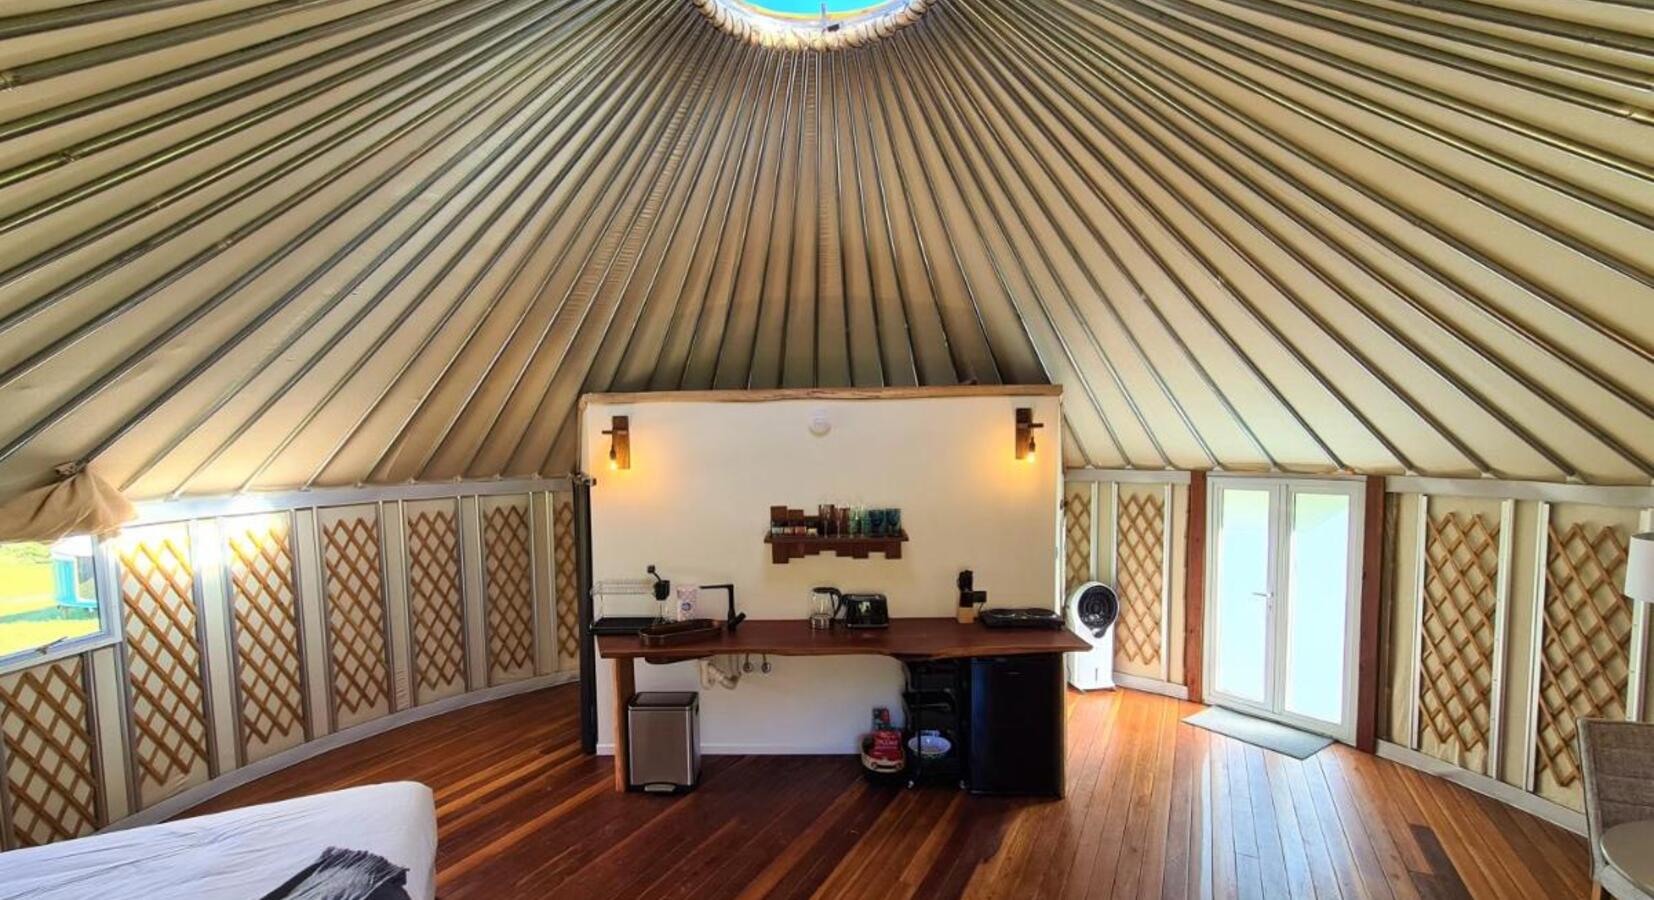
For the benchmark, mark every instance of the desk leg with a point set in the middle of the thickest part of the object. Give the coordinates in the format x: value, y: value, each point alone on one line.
x: 625, y: 685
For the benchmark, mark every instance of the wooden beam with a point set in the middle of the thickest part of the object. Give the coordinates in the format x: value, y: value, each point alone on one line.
x: 1372, y: 564
x: 1194, y: 590
x: 846, y: 393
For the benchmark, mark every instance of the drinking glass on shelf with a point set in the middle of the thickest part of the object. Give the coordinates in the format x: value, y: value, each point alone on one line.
x: 875, y: 522
x: 893, y: 522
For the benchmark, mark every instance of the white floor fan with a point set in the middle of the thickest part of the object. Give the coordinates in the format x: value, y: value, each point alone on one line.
x: 1090, y: 613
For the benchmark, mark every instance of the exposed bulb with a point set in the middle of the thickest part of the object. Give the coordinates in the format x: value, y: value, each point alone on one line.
x: 614, y: 464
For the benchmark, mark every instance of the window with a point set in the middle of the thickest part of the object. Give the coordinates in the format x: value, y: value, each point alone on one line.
x: 48, y: 597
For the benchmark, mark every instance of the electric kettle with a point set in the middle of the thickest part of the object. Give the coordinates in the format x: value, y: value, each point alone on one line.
x: 824, y: 605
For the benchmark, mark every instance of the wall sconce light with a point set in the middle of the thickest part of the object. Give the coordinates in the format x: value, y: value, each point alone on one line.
x: 620, y: 442
x: 1025, y: 432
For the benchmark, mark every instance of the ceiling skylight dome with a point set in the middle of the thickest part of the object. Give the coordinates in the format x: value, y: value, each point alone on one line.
x: 812, y: 24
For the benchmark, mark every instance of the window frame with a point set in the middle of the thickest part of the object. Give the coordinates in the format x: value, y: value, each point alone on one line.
x: 109, y: 623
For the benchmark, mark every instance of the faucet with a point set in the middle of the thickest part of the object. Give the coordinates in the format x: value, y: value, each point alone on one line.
x: 734, y: 619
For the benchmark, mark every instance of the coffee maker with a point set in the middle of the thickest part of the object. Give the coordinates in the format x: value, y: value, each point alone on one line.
x: 824, y: 606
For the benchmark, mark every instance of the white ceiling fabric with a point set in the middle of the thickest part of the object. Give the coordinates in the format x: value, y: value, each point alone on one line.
x: 255, y: 245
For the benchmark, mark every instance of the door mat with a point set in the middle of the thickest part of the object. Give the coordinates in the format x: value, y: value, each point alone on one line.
x: 1259, y: 732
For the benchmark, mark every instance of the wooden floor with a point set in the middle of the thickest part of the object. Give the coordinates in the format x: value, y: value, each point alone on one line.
x: 1155, y: 808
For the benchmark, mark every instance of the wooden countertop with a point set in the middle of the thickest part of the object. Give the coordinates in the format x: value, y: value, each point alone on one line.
x: 907, y: 638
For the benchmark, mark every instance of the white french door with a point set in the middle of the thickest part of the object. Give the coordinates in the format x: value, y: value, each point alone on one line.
x: 1284, y: 557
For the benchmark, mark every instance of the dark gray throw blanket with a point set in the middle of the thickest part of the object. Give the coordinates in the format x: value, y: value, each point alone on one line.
x: 345, y: 875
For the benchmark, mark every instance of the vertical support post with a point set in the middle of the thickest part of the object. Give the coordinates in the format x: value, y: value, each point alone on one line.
x: 1194, y: 590
x: 1166, y: 582
x: 1113, y: 535
x: 625, y: 684
x: 1372, y: 564
x: 1636, y: 704
x: 100, y: 784
x: 1536, y: 644
x: 203, y: 544
x: 1501, y: 635
x: 393, y: 645
x: 407, y: 608
x: 583, y: 583
x: 1415, y: 669
x: 1093, y: 573
x: 535, y: 557
x: 8, y: 836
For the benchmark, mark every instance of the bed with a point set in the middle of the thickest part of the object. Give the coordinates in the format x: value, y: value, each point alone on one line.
x: 240, y: 854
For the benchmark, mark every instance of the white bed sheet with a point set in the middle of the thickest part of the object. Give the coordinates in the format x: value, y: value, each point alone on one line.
x: 237, y: 855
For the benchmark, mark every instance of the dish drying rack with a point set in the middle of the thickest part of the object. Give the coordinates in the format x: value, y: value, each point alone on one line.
x: 616, y: 588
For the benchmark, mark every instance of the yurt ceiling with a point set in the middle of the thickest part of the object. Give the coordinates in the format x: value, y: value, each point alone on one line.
x: 264, y: 244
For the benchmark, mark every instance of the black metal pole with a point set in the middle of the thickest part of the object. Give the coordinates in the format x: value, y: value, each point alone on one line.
x: 583, y: 581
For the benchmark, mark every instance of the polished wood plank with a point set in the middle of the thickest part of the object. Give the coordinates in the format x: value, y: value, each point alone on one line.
x: 917, y: 638
x: 1155, y: 808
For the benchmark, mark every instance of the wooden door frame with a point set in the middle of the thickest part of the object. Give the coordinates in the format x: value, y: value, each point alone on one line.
x: 1194, y: 591
x: 1367, y: 662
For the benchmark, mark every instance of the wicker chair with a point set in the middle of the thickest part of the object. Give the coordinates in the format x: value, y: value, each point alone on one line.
x: 1617, y: 762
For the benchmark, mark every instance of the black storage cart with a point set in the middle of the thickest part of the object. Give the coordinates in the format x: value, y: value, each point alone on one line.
x: 936, y: 700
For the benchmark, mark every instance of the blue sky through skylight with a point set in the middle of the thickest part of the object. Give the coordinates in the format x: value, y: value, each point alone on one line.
x: 837, y: 9
x: 809, y: 7
x: 798, y: 23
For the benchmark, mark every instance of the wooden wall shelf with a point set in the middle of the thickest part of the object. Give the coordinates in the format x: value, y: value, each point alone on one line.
x: 787, y: 547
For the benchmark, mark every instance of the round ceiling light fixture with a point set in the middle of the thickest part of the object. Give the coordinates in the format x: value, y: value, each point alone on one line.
x: 812, y: 24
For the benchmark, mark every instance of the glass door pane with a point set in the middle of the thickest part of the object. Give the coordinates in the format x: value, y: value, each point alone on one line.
x: 1242, y: 649
x: 1317, y: 605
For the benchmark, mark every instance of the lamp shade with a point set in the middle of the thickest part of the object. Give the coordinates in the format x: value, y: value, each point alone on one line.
x: 1639, y: 568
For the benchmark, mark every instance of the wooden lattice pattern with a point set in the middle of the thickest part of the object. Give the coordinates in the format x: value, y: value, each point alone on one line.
x: 269, y: 664
x: 1461, y: 559
x: 355, y: 614
x: 567, y: 584
x: 50, y: 776
x: 168, y: 702
x: 1077, y: 536
x: 510, y: 590
x: 435, y: 599
x: 1584, y: 658
x: 1139, y: 577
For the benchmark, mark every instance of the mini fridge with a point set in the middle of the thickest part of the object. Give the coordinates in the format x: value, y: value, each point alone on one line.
x: 663, y: 755
x: 1016, y: 725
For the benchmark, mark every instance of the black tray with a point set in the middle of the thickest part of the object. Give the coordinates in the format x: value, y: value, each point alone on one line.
x: 621, y: 624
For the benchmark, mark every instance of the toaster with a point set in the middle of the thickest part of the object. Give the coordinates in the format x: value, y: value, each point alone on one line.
x: 866, y: 611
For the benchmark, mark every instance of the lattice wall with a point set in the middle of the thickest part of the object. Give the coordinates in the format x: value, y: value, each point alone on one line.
x: 1584, y: 659
x: 1457, y: 622
x: 1140, y: 543
x: 51, y: 777
x: 510, y: 589
x: 167, y: 702
x: 291, y: 612
x: 436, y: 602
x: 356, y: 619
x: 567, y: 584
x: 264, y: 606
x: 1077, y: 536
